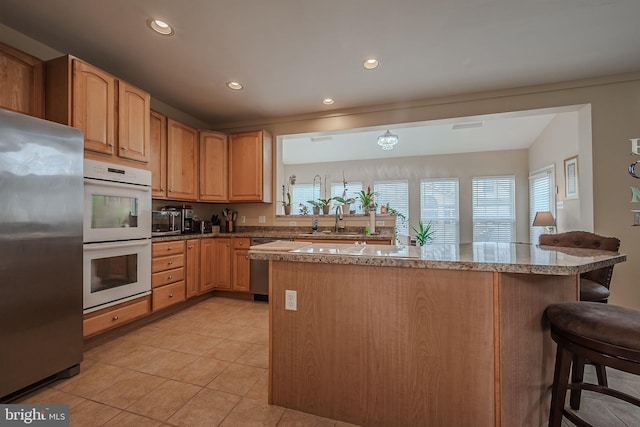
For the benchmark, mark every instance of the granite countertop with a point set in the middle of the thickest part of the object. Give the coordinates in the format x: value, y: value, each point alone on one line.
x: 286, y: 233
x: 484, y: 256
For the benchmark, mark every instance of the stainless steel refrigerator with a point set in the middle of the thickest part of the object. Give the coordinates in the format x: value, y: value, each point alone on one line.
x: 41, y: 212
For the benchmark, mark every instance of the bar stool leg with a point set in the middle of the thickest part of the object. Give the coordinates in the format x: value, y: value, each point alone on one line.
x: 560, y: 384
x: 601, y: 372
x: 577, y: 376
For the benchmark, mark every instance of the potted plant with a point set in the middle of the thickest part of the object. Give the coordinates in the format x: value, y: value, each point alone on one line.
x: 346, y: 203
x: 424, y: 233
x: 316, y: 206
x: 366, y: 200
x: 286, y: 201
x: 326, y: 205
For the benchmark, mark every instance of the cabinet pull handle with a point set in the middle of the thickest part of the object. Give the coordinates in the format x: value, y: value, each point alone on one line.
x: 115, y: 317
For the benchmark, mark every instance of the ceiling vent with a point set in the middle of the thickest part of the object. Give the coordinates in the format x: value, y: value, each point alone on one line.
x: 467, y: 125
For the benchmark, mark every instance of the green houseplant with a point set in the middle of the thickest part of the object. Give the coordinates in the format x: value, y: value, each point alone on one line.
x: 366, y: 200
x: 424, y: 233
x: 316, y: 206
x: 286, y: 201
x: 326, y: 205
x: 346, y: 203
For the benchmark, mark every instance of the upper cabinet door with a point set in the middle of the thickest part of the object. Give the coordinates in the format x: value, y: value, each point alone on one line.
x: 182, y: 166
x: 213, y: 167
x: 21, y: 82
x: 133, y: 123
x: 158, y: 146
x: 250, y: 167
x: 94, y: 107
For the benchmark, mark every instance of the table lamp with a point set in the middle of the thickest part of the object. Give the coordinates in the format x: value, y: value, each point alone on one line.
x: 545, y: 219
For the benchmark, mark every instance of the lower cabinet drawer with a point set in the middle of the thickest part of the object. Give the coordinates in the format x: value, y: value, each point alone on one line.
x: 114, y: 316
x: 165, y: 277
x: 167, y: 295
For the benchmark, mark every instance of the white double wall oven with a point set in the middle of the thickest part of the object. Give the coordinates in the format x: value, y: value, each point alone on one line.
x: 117, y: 234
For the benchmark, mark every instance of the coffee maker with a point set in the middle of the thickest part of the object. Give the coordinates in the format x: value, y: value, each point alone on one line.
x: 188, y: 223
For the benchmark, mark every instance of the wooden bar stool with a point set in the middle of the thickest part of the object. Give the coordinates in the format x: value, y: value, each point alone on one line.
x: 604, y: 334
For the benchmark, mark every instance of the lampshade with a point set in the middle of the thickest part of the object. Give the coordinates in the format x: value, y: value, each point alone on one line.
x: 544, y: 219
x: 387, y: 141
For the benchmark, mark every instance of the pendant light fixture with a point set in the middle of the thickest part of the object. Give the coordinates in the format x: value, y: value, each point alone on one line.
x: 387, y: 141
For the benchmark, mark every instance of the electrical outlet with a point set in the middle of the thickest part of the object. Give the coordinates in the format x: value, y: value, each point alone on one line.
x: 291, y: 300
x: 292, y: 223
x: 380, y: 223
x: 243, y: 219
x: 262, y: 219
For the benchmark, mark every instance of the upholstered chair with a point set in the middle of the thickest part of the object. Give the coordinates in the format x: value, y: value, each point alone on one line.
x: 594, y: 285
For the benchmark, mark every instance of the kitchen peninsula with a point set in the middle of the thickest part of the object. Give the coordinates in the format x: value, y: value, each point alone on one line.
x: 438, y: 335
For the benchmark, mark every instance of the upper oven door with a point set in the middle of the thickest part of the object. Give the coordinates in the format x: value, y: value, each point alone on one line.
x: 116, y: 211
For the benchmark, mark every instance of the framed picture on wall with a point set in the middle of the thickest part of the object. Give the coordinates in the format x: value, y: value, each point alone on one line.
x: 571, y: 177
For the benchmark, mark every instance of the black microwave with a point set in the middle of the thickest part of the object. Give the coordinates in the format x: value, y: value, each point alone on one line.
x: 166, y: 223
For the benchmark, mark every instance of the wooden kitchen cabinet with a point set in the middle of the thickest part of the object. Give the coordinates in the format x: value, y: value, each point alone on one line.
x: 214, y: 168
x: 182, y: 161
x: 250, y: 167
x: 192, y: 268
x: 113, y: 114
x: 158, y: 153
x: 21, y: 82
x: 221, y: 263
x: 167, y: 274
x: 241, y: 266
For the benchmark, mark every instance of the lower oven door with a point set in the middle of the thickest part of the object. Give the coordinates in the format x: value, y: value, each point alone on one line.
x: 115, y: 272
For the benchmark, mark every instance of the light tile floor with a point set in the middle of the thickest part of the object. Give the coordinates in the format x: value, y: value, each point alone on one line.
x: 207, y: 366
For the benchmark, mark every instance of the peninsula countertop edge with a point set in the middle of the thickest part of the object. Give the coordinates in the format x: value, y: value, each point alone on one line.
x: 478, y: 256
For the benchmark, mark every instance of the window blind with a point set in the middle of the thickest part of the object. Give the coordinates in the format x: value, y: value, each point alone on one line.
x: 439, y: 205
x: 395, y: 193
x: 541, y: 198
x: 493, y: 204
x: 301, y: 194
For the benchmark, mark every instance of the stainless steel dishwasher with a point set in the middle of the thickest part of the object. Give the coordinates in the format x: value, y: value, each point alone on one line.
x: 259, y: 279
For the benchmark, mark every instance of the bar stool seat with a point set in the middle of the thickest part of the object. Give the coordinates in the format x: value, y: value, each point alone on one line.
x: 604, y: 334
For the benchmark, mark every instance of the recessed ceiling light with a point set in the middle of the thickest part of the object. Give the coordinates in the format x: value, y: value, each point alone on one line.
x: 371, y: 64
x: 234, y: 85
x: 328, y: 101
x: 160, y: 27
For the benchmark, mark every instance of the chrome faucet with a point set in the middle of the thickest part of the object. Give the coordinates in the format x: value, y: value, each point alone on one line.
x: 339, y: 221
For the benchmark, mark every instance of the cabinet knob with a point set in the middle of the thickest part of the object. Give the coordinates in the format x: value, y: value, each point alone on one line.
x: 246, y: 257
x: 123, y: 148
x: 170, y: 295
x: 111, y: 145
x: 170, y: 277
x: 115, y: 317
x: 170, y: 248
x: 170, y: 262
